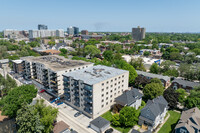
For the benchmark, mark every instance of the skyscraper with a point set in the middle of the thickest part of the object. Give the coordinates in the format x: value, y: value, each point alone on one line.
x: 76, y: 30
x: 73, y: 30
x: 42, y: 27
x: 138, y: 33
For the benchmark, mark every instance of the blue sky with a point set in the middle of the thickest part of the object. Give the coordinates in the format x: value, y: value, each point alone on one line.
x: 102, y: 15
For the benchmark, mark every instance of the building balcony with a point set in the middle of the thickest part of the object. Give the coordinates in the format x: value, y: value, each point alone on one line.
x: 88, y: 88
x: 89, y: 94
x: 88, y: 110
x: 88, y: 100
x: 88, y: 105
x: 66, y: 89
x: 76, y: 94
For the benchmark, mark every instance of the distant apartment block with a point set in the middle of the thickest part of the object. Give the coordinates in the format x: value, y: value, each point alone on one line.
x: 93, y: 90
x: 60, y: 33
x: 73, y: 30
x: 18, y: 66
x: 138, y: 33
x: 84, y: 32
x: 42, y: 27
x: 87, y: 37
x: 46, y: 71
x: 45, y: 33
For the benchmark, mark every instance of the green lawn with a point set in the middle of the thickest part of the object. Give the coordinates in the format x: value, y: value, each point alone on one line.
x: 108, y: 116
x: 170, y: 124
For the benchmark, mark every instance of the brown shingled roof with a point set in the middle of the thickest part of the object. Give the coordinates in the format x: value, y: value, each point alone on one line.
x: 60, y: 126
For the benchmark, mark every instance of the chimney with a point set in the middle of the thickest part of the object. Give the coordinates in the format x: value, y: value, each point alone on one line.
x: 194, y: 110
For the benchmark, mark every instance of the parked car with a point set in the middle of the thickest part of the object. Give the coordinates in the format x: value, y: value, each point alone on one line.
x: 43, y: 90
x: 77, y: 114
x: 110, y: 130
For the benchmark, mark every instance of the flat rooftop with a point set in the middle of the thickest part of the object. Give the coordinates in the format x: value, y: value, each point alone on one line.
x: 95, y: 74
x: 57, y: 63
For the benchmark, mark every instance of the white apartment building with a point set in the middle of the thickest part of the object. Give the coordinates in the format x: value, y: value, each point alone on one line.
x: 93, y: 90
x: 45, y: 33
x: 60, y: 33
x: 46, y: 71
x: 8, y: 32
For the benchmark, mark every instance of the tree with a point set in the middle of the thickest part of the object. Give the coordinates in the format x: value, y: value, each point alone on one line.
x: 156, y: 80
x: 121, y: 64
x: 118, y: 56
x: 146, y: 53
x: 153, y: 90
x: 51, y: 43
x: 138, y: 64
x: 115, y: 120
x: 47, y: 115
x: 128, y: 116
x: 13, y: 101
x: 63, y: 50
x: 172, y: 97
x: 182, y: 95
x: 140, y: 81
x: 172, y: 72
x: 166, y: 65
x: 92, y: 50
x: 154, y: 68
x: 193, y: 100
x: 28, y: 121
x: 108, y: 55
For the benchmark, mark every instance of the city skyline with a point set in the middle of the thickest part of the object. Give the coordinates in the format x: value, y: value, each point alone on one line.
x: 102, y: 16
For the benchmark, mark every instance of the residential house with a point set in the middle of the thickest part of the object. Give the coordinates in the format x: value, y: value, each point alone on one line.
x: 99, y: 124
x: 153, y: 113
x: 153, y: 52
x: 189, y: 121
x: 164, y: 79
x: 131, y: 98
x: 187, y: 85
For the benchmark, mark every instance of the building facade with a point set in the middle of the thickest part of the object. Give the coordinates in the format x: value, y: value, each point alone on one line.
x: 84, y: 32
x: 138, y: 33
x: 47, y: 71
x: 93, y: 90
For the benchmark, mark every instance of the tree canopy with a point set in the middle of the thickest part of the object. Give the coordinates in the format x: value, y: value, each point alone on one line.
x: 28, y: 121
x: 13, y: 101
x: 92, y: 50
x: 153, y: 90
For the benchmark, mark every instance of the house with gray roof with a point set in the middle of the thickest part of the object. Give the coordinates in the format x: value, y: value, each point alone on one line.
x: 164, y: 79
x: 153, y: 113
x: 131, y: 98
x: 189, y: 121
x: 99, y: 124
x: 185, y: 84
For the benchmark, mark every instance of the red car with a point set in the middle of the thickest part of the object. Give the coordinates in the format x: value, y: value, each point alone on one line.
x: 42, y: 91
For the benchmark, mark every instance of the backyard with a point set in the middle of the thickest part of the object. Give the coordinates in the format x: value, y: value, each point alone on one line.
x: 170, y: 124
x: 108, y: 116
